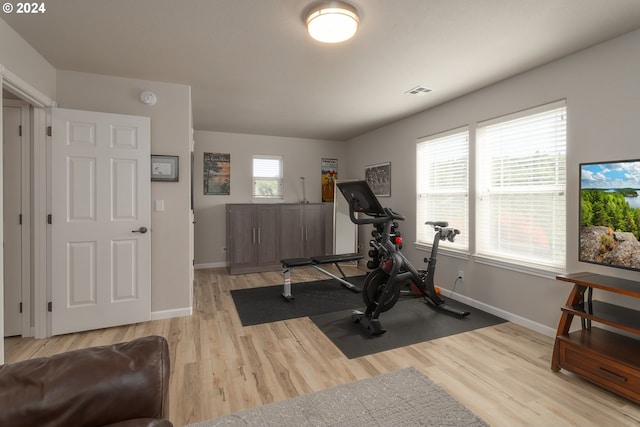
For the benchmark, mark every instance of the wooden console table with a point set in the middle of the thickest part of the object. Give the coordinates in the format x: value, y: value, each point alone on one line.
x: 601, y: 356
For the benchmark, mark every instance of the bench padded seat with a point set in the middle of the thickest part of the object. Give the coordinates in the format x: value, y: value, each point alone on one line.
x: 318, y: 260
x: 331, y: 259
x: 295, y: 262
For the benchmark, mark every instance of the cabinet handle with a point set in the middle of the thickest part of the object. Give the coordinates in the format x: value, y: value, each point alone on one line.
x: 253, y: 235
x: 612, y: 375
x: 259, y: 234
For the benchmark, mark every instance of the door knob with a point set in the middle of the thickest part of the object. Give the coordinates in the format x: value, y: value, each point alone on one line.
x: 141, y: 230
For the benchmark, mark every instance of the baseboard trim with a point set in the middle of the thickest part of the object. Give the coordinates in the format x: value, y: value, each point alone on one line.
x: 210, y: 265
x: 513, y: 318
x: 170, y: 314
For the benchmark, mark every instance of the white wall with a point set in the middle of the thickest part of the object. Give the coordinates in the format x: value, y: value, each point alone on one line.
x: 21, y: 59
x: 302, y: 157
x: 602, y: 90
x: 171, y: 125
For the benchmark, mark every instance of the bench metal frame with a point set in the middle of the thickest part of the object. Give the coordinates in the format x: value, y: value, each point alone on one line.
x: 316, y: 262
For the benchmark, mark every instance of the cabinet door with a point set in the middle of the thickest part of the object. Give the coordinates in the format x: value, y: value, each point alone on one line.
x: 290, y: 232
x: 313, y: 226
x: 268, y: 234
x: 241, y: 236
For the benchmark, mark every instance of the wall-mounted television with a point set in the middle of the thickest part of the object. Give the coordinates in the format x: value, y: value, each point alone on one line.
x: 610, y: 213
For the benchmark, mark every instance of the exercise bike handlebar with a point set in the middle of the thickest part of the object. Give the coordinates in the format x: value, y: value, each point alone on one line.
x: 388, y: 216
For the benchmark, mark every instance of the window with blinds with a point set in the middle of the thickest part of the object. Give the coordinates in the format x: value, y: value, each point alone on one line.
x: 443, y: 185
x: 521, y: 187
x: 267, y: 177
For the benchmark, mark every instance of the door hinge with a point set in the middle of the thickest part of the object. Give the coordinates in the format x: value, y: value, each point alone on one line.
x: 49, y: 219
x: 49, y: 132
x: 20, y: 307
x: 49, y: 307
x: 19, y: 130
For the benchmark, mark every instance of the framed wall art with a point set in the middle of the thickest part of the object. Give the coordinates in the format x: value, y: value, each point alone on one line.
x: 329, y: 177
x: 217, y: 174
x: 164, y: 168
x: 378, y: 177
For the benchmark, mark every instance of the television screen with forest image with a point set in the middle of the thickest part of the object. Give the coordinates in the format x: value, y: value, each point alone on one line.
x: 610, y: 213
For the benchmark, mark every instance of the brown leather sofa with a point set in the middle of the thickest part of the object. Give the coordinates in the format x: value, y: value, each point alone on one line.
x: 123, y: 385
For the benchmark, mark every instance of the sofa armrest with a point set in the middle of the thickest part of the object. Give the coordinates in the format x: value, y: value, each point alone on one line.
x: 90, y: 387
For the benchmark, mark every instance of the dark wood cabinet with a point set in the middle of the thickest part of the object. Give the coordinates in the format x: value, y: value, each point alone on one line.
x: 602, y: 356
x: 313, y: 238
x: 260, y: 235
x: 253, y: 238
x: 291, y: 232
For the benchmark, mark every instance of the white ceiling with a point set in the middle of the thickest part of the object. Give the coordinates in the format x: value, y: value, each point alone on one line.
x: 253, y: 68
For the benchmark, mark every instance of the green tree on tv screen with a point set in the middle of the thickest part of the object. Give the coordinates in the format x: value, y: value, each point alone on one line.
x: 609, y: 209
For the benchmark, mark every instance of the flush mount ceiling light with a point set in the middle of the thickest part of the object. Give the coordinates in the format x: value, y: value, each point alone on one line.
x: 332, y: 22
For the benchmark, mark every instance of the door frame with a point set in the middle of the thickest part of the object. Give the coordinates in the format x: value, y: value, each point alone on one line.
x: 25, y: 208
x: 40, y: 197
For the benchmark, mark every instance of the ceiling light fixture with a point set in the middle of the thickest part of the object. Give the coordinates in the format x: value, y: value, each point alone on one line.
x: 332, y: 22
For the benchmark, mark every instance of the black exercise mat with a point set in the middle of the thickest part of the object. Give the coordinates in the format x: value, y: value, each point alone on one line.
x: 266, y: 304
x: 410, y: 321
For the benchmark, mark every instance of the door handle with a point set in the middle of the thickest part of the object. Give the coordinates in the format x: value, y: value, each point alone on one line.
x: 140, y: 230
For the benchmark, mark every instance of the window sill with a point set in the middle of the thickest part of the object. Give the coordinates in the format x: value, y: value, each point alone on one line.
x: 532, y: 269
x: 521, y: 267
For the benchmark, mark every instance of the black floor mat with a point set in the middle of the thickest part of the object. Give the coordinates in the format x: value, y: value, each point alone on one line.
x: 266, y: 304
x: 410, y: 321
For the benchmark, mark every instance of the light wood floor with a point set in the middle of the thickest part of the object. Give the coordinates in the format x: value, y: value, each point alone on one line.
x: 502, y: 373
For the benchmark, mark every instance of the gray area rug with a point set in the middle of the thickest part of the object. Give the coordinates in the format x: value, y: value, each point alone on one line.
x: 401, y: 398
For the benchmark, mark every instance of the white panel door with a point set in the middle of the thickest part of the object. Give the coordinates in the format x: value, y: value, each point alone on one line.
x: 101, y: 207
x: 12, y: 205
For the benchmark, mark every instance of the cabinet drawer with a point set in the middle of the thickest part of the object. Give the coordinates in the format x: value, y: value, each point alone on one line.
x: 600, y: 369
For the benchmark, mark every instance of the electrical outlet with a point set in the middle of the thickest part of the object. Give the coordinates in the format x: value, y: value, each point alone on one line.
x: 460, y: 274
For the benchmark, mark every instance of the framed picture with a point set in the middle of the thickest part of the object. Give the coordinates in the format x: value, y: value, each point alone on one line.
x: 379, y: 178
x: 164, y: 168
x: 217, y: 174
x: 329, y: 177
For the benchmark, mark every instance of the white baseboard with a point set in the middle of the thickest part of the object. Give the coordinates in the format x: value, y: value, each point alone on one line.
x: 514, y: 318
x: 169, y: 314
x: 210, y: 265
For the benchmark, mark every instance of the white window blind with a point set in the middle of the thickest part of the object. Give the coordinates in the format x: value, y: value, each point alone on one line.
x: 267, y: 177
x: 443, y: 185
x: 521, y: 187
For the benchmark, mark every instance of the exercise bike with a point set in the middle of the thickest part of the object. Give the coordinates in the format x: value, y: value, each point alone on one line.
x: 391, y: 270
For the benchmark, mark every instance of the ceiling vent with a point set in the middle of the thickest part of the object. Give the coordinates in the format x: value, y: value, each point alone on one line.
x: 418, y: 90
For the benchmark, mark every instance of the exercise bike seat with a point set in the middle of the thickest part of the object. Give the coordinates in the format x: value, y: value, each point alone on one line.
x: 437, y: 223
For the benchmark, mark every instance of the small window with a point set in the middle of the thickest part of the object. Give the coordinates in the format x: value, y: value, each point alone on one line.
x: 267, y: 177
x: 443, y: 185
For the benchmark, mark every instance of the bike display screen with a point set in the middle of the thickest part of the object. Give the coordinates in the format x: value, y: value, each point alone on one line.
x: 361, y: 197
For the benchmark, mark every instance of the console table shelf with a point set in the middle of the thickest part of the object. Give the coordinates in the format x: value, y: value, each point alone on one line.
x: 607, y: 314
x: 601, y: 356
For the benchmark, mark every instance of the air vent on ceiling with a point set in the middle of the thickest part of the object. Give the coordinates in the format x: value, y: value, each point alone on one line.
x: 418, y: 90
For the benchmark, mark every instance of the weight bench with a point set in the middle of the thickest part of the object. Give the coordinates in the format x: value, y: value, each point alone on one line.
x: 316, y: 262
